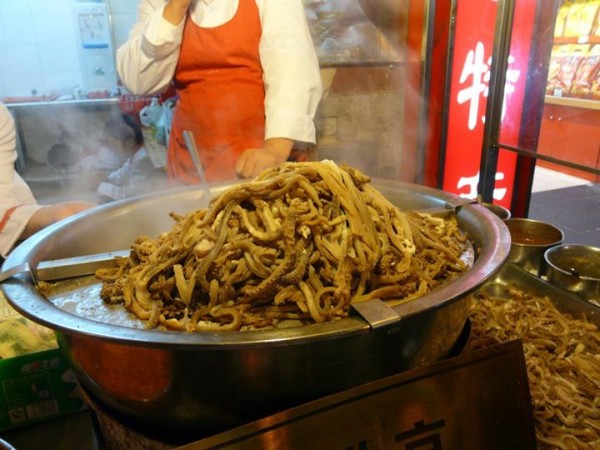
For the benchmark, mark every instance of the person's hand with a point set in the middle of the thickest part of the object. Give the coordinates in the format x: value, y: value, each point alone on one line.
x: 175, y: 11
x: 254, y: 160
x: 53, y: 213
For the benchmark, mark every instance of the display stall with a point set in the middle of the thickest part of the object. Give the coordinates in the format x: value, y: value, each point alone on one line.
x: 569, y: 129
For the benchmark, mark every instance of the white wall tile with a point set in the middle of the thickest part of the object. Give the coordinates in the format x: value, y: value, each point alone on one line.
x: 18, y: 28
x: 58, y: 57
x: 23, y: 84
x: 122, y: 25
x: 38, y: 42
x: 123, y: 6
x: 2, y: 29
x: 50, y: 6
x: 55, y: 28
x: 21, y: 59
x: 3, y: 50
x: 14, y: 6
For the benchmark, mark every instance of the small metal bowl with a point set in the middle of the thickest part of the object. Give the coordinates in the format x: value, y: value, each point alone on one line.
x: 529, y: 240
x: 575, y: 268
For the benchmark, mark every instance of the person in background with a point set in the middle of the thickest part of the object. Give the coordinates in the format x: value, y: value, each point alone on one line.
x: 20, y: 214
x: 246, y: 74
x: 123, y: 135
x: 116, y: 146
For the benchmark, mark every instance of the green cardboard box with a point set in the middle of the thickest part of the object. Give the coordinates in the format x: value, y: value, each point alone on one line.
x: 36, y: 381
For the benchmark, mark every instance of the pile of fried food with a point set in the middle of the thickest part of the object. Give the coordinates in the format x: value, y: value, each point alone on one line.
x: 562, y: 355
x: 295, y: 245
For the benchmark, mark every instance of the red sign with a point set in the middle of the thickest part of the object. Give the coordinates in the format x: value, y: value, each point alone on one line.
x: 474, y: 38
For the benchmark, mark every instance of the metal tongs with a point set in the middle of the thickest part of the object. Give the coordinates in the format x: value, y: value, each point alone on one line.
x: 60, y: 269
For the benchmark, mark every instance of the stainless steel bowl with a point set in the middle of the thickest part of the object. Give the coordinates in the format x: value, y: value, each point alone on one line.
x: 180, y: 387
x: 575, y: 268
x: 530, y: 239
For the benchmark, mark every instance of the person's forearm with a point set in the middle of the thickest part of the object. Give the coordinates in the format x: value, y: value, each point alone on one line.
x: 146, y: 62
x: 53, y: 213
x: 175, y: 11
x: 39, y: 220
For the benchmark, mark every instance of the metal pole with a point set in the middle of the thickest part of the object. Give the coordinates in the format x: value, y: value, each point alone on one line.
x: 426, y: 56
x: 493, y: 115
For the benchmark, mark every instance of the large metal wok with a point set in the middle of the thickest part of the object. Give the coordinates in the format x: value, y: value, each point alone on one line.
x: 183, y: 386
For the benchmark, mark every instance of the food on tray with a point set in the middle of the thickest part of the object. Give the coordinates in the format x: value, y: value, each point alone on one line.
x: 296, y: 245
x: 563, y: 363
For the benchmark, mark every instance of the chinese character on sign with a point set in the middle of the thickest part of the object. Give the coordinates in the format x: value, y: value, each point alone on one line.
x: 475, y: 68
x: 422, y: 436
x: 471, y: 184
x: 476, y: 72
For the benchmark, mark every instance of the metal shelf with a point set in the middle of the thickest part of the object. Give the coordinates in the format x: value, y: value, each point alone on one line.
x: 573, y: 102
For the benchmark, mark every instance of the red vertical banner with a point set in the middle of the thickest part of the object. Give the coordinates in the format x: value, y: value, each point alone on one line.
x: 469, y: 89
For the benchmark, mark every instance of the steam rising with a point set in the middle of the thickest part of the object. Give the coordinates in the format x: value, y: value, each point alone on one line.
x: 76, y: 155
x: 369, y: 115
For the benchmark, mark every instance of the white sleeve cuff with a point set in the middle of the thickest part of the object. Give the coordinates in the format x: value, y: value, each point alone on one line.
x: 297, y: 128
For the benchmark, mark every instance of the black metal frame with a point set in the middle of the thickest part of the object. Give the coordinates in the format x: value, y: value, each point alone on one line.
x: 530, y: 126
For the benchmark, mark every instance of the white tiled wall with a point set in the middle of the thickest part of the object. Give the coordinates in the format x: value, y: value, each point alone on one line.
x: 38, y: 44
x: 123, y: 13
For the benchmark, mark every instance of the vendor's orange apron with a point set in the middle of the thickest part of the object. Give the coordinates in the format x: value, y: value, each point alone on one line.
x: 221, y: 96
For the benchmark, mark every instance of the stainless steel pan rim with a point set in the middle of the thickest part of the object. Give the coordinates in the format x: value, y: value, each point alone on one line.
x: 477, y: 220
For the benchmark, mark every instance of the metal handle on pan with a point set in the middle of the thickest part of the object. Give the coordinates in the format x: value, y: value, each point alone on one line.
x: 24, y: 268
x: 376, y: 312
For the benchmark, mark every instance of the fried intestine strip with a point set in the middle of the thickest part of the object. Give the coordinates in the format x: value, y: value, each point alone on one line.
x: 562, y: 355
x: 300, y: 242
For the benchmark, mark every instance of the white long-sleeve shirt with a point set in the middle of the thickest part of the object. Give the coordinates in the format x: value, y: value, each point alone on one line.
x: 146, y: 62
x: 17, y: 203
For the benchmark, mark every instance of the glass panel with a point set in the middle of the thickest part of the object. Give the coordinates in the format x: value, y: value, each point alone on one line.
x: 570, y: 128
x: 515, y: 109
x: 344, y: 34
x: 564, y: 88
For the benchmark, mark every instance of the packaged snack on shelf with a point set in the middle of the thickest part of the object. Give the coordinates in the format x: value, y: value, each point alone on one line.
x: 586, y: 73
x: 561, y: 18
x: 36, y: 381
x: 581, y: 17
x: 564, y: 63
